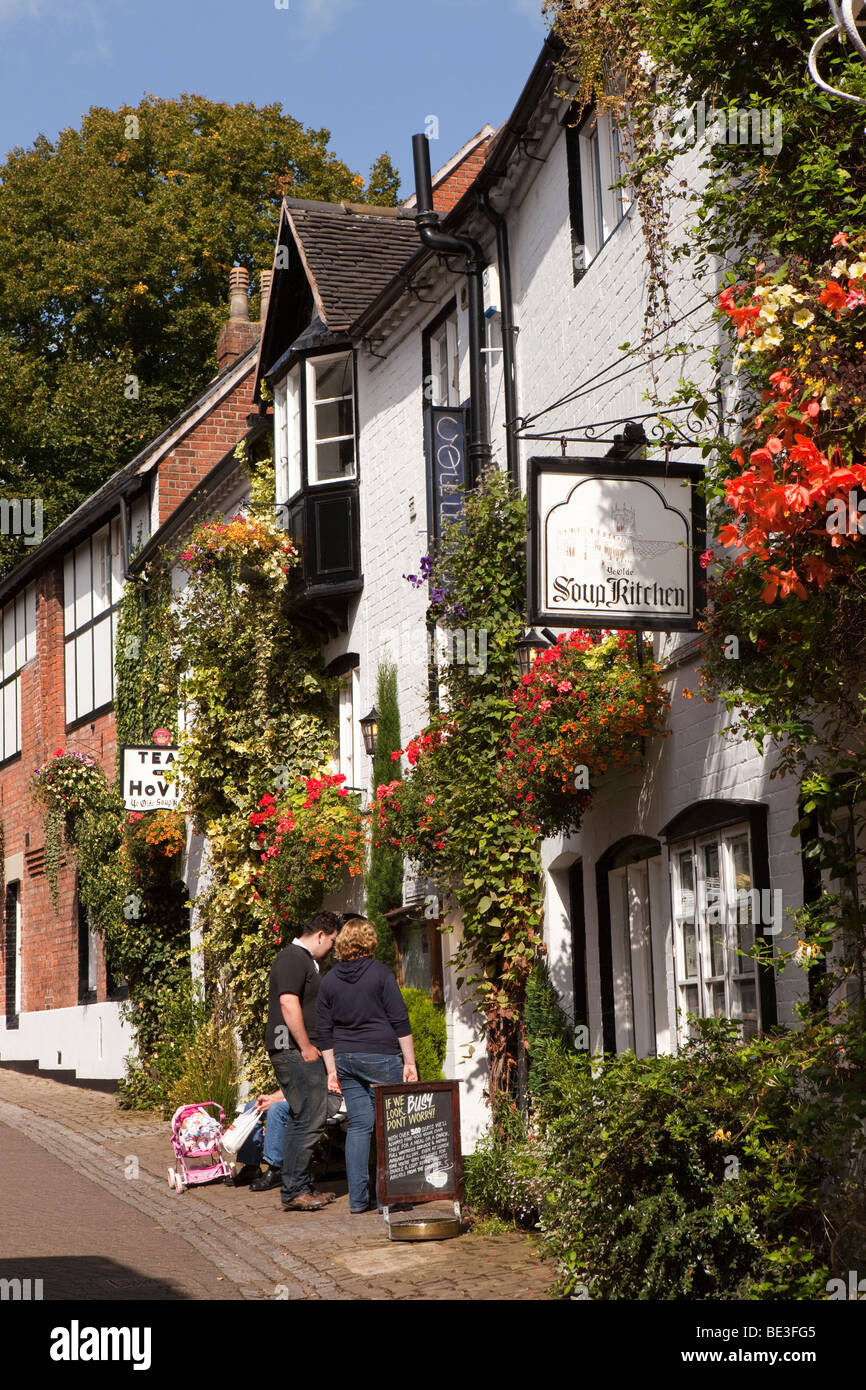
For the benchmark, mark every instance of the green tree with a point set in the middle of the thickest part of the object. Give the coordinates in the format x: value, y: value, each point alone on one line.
x: 383, y: 183
x: 384, y: 883
x: 115, y: 244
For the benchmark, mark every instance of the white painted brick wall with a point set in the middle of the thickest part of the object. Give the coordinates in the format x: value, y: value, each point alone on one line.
x: 566, y: 334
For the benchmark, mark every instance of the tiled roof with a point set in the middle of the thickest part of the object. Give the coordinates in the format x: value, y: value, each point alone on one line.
x: 351, y: 253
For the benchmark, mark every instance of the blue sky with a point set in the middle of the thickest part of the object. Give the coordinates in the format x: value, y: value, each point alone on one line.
x: 370, y: 71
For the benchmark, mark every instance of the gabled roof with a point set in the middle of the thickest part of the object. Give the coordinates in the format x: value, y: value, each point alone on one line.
x: 350, y: 251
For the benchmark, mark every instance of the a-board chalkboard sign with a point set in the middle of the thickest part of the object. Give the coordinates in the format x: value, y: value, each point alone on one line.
x: 418, y: 1142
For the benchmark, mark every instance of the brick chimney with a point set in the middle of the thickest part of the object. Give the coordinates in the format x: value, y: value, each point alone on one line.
x: 238, y: 334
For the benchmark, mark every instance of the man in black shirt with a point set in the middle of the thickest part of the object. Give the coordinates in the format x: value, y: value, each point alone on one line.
x: 290, y: 1038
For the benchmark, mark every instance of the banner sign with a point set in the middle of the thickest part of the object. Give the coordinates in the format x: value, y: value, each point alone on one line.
x: 418, y: 1151
x: 144, y: 783
x: 447, y: 471
x: 614, y: 547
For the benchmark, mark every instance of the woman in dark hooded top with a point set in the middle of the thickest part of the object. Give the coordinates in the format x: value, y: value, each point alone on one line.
x: 365, y: 1039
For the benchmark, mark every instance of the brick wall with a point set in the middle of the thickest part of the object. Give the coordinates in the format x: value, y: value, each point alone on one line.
x: 50, y: 946
x: 458, y: 179
x: 204, y: 446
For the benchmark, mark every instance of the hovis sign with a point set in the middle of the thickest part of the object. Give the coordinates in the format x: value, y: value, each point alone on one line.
x: 614, y: 547
x: 145, y: 787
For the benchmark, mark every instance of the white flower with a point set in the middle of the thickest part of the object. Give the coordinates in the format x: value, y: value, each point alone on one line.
x: 856, y: 270
x: 840, y: 268
x: 772, y: 337
x: 767, y: 312
x: 736, y: 364
x: 803, y: 317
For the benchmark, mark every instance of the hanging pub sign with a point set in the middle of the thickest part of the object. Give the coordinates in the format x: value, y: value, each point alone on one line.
x: 446, y: 474
x: 145, y: 787
x: 614, y: 546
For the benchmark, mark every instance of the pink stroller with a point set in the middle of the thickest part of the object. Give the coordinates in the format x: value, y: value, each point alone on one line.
x: 195, y: 1138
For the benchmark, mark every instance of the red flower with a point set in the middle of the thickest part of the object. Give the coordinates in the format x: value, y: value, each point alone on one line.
x: 833, y: 296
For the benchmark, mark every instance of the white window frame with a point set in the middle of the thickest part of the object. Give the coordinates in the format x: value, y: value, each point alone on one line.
x: 445, y: 364
x: 17, y: 647
x: 721, y: 919
x: 312, y: 365
x: 604, y: 206
x: 287, y: 436
x: 92, y: 590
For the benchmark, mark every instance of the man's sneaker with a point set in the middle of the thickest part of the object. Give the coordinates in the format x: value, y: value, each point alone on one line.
x: 308, y: 1201
x: 271, y: 1177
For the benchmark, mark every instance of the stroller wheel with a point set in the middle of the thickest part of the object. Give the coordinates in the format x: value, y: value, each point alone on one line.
x: 171, y: 1177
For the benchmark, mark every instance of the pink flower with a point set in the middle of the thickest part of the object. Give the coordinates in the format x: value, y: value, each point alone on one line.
x: 564, y: 687
x: 706, y: 559
x: 428, y: 800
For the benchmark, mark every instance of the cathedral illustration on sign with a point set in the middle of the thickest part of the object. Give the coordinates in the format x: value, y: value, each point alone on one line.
x: 614, y: 545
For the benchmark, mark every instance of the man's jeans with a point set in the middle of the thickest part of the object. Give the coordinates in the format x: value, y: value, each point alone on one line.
x: 358, y: 1072
x: 305, y: 1087
x: 251, y: 1151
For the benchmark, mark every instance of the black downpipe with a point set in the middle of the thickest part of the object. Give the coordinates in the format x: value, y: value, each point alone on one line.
x: 508, y: 372
x: 479, y: 453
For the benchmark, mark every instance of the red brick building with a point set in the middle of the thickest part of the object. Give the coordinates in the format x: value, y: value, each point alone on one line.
x: 59, y: 1008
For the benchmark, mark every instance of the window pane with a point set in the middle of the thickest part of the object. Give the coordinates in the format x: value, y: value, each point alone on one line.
x: 20, y: 652
x: 745, y: 1006
x: 84, y: 673
x: 335, y: 459
x: 71, y: 702
x: 8, y: 641
x: 102, y: 662
x: 83, y: 598
x: 101, y: 571
x: 116, y: 563
x: 333, y: 378
x: 335, y: 418
x: 69, y: 594
x: 742, y: 908
x: 716, y: 999
x: 10, y: 719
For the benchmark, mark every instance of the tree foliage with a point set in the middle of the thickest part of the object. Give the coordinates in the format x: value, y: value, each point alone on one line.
x: 116, y: 240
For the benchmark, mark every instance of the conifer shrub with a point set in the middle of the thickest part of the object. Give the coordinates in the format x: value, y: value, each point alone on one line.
x: 427, y: 1021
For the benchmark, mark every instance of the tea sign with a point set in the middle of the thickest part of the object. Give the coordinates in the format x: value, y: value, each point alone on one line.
x: 145, y: 784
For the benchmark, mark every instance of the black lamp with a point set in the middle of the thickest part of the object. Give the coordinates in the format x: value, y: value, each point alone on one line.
x: 527, y: 649
x: 370, y: 730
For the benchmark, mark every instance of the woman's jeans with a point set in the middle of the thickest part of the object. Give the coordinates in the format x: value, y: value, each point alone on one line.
x: 358, y: 1072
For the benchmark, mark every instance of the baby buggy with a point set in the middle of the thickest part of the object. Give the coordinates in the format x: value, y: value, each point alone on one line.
x: 195, y: 1138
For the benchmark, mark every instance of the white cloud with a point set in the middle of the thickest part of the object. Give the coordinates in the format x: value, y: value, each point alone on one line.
x: 319, y: 17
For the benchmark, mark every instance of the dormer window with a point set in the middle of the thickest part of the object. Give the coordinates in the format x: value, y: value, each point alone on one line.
x: 314, y: 424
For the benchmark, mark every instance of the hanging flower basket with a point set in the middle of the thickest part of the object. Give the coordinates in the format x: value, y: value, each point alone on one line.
x: 582, y: 711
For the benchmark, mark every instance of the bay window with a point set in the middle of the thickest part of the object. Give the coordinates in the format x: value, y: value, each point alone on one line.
x: 330, y: 418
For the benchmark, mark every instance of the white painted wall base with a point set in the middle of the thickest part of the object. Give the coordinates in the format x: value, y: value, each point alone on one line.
x: 92, y: 1039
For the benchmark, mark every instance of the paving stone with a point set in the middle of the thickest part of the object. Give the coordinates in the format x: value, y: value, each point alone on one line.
x: 213, y: 1241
